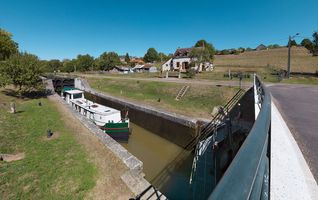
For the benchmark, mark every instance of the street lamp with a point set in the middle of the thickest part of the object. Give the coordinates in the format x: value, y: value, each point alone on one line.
x: 289, y: 47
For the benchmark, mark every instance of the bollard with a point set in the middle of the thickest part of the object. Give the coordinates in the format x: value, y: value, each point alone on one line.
x: 49, y: 133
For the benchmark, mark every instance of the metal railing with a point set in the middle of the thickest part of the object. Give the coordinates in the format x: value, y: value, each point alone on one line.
x: 247, y: 177
x: 209, y: 128
x: 154, y: 194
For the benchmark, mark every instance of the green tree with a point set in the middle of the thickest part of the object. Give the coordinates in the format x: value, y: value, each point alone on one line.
x: 307, y: 44
x: 199, y: 55
x: 107, y: 61
x: 241, y: 49
x: 22, y: 70
x: 273, y: 46
x: 8, y: 47
x: 44, y: 65
x: 163, y: 57
x: 55, y: 65
x: 127, y: 58
x: 151, y: 55
x: 208, y: 46
x: 315, y: 43
x: 293, y: 43
x: 84, y: 63
x: 68, y: 65
x: 225, y: 52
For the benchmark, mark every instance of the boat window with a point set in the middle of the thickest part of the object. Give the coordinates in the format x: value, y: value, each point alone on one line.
x: 107, y: 110
x: 77, y: 96
x: 94, y: 106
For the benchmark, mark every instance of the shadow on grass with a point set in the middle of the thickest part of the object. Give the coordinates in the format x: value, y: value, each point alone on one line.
x: 26, y: 94
x: 19, y: 111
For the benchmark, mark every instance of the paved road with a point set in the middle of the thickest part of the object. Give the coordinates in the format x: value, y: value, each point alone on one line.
x: 298, y: 105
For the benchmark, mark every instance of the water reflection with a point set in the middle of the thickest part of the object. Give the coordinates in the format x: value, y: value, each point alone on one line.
x: 166, y: 165
x: 154, y: 151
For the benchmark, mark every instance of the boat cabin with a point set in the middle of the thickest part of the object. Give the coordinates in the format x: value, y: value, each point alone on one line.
x: 72, y: 94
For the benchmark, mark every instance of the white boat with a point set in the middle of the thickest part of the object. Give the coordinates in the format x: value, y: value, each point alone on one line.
x: 108, y: 119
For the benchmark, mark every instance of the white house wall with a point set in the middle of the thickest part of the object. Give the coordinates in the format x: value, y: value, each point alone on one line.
x: 180, y: 60
x: 166, y: 65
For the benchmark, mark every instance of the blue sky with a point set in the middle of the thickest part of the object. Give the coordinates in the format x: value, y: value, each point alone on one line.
x: 63, y: 29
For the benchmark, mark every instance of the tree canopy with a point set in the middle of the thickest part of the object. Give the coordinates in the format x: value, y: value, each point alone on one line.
x: 151, y: 55
x: 22, y: 70
x: 273, y: 46
x: 200, y: 54
x: 107, y: 61
x: 84, y: 62
x: 163, y: 57
x: 68, y: 65
x: 208, y: 46
x: 55, y: 65
x: 8, y: 47
x: 307, y: 44
x: 127, y: 58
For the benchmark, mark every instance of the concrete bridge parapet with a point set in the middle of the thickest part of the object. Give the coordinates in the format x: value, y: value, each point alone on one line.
x: 290, y: 175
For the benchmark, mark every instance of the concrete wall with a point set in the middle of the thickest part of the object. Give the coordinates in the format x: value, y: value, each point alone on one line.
x: 180, y: 60
x: 178, y: 129
x: 175, y: 128
x: 166, y: 66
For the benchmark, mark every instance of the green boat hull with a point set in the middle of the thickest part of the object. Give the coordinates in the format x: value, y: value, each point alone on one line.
x: 118, y: 131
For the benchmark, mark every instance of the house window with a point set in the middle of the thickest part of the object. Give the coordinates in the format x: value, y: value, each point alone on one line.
x: 186, y: 65
x: 178, y: 64
x: 166, y: 65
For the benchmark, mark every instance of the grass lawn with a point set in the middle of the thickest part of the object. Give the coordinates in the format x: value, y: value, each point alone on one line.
x: 52, y: 169
x: 199, y: 101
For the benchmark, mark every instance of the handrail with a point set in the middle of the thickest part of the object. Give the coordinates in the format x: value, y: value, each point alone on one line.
x: 247, y: 177
x: 213, y: 124
x: 155, y: 192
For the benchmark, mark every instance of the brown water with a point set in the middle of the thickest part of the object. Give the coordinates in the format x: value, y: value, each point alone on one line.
x: 154, y: 151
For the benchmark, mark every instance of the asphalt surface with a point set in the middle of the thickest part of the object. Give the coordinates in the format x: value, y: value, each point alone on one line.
x: 298, y: 105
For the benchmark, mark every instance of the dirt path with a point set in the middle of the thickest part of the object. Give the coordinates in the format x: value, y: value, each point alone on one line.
x: 108, y: 184
x: 176, y: 80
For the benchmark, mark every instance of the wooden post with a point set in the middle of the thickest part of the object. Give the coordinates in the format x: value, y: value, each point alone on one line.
x: 12, y: 107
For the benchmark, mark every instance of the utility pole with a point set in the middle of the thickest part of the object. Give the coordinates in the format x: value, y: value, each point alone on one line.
x: 289, y: 47
x: 288, y: 62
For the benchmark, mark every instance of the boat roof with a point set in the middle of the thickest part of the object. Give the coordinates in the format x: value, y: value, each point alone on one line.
x: 74, y: 91
x: 94, y: 107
